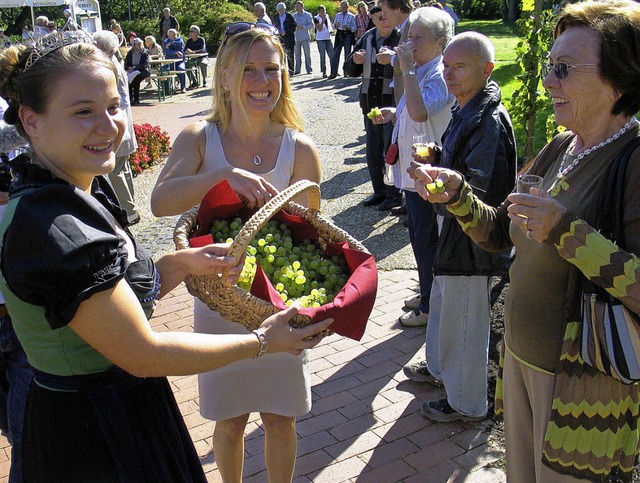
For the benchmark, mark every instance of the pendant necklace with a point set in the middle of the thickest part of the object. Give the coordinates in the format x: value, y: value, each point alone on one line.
x: 257, y: 160
x: 564, y: 169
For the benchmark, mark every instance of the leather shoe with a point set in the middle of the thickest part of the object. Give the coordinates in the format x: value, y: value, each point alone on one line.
x: 399, y: 210
x: 331, y: 77
x: 389, y: 203
x: 374, y: 199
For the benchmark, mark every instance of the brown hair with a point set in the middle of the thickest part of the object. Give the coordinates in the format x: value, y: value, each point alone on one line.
x: 33, y: 87
x: 405, y: 6
x: 232, y: 58
x: 617, y: 23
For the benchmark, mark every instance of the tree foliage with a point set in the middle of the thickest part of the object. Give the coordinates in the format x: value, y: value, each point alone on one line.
x: 532, y: 50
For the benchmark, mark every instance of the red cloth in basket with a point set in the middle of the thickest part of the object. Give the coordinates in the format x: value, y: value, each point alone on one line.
x: 350, y: 308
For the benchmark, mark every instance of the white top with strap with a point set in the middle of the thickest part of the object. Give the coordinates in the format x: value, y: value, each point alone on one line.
x: 275, y: 383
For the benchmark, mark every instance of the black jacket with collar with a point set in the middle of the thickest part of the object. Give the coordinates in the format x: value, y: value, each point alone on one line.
x: 479, y: 143
x: 289, y: 37
x: 372, y: 89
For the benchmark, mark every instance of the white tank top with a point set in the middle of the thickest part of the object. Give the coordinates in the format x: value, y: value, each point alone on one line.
x: 280, y: 176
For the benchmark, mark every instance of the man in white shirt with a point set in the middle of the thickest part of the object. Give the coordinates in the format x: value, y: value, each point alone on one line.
x: 323, y: 38
x: 260, y: 11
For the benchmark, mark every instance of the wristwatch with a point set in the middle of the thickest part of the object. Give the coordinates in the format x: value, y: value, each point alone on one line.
x: 409, y: 72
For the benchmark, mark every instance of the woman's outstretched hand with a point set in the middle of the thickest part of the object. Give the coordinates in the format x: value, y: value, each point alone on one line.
x: 213, y: 260
x: 281, y: 337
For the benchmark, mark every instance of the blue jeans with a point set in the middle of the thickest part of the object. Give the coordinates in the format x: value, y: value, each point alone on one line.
x: 421, y: 223
x: 458, y: 340
x: 325, y: 47
x: 342, y: 41
x: 305, y: 44
x: 378, y: 140
x: 19, y: 374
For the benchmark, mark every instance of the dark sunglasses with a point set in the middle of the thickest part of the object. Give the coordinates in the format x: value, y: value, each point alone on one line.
x: 561, y: 69
x: 239, y: 27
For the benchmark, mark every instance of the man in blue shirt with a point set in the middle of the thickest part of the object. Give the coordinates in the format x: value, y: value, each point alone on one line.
x: 304, y: 23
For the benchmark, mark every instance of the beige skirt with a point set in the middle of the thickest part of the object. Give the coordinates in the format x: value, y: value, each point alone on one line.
x: 275, y: 383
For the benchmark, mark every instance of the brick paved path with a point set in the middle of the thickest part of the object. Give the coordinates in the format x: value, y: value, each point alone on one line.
x: 365, y: 424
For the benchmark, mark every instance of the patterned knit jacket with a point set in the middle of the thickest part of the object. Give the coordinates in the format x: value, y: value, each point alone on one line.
x: 593, y: 429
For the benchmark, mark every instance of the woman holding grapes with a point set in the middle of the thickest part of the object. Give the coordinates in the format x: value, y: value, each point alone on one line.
x: 253, y: 139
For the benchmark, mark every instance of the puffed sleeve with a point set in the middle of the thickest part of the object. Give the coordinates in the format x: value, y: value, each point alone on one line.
x: 59, y: 249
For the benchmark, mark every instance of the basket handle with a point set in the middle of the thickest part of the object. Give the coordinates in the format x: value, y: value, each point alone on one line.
x: 275, y: 204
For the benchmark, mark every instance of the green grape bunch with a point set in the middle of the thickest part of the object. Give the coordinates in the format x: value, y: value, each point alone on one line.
x: 299, y: 272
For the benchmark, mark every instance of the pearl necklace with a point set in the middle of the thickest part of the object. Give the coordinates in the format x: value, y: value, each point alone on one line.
x: 257, y: 160
x: 563, y: 171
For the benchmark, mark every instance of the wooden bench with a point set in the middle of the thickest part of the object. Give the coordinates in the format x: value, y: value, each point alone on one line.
x: 164, y: 82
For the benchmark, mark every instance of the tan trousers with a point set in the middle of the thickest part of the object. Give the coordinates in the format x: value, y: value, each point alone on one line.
x: 527, y: 407
x: 122, y: 181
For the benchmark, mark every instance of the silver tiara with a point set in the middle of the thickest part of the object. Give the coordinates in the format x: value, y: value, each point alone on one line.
x: 69, y: 34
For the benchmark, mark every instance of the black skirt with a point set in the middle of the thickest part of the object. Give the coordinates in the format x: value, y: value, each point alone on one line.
x: 107, y: 427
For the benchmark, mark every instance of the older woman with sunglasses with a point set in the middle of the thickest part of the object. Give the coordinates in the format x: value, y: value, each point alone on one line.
x: 565, y: 420
x: 253, y: 139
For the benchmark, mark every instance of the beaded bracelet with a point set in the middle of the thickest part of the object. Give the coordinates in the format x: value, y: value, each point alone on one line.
x: 264, y: 345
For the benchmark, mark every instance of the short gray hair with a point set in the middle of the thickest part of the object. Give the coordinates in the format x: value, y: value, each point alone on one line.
x: 483, y: 46
x: 106, y: 41
x: 281, y: 6
x: 195, y: 28
x: 438, y: 21
x: 260, y: 5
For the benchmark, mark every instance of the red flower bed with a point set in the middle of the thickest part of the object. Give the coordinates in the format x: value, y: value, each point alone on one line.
x: 153, y: 146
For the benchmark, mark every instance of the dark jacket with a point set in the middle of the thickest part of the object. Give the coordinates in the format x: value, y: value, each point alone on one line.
x: 375, y: 90
x: 479, y: 142
x: 173, y: 24
x: 289, y: 37
x: 143, y: 66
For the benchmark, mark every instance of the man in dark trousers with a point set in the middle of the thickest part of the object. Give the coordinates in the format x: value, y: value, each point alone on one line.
x: 286, y: 25
x: 376, y: 91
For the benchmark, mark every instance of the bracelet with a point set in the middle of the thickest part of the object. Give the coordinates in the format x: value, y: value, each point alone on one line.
x: 409, y: 72
x: 264, y: 345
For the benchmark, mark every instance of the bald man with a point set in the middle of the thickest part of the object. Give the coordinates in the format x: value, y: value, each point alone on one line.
x: 479, y: 143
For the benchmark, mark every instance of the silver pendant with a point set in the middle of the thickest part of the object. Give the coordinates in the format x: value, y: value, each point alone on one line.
x: 257, y: 160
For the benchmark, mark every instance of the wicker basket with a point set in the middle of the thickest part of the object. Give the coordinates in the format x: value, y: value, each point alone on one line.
x: 234, y: 303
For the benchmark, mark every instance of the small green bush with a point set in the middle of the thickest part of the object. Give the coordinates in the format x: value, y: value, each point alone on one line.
x: 478, y: 9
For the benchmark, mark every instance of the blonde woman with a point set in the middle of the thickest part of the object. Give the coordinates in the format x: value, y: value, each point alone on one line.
x: 253, y: 138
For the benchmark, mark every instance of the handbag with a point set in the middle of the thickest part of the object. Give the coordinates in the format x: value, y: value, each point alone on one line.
x: 611, y: 331
x: 391, y: 157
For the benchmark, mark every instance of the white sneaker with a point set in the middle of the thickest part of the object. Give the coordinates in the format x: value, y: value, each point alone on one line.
x: 413, y: 303
x: 415, y: 318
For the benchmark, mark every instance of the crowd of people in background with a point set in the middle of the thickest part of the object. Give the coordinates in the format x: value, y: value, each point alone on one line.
x: 335, y: 38
x: 422, y: 87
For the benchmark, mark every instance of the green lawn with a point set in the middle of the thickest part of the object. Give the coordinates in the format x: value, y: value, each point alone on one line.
x: 505, y: 37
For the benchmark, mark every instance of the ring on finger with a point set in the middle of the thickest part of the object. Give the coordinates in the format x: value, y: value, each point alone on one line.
x: 526, y: 223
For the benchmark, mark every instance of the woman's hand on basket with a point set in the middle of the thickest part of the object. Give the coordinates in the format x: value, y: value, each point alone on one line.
x: 253, y: 188
x: 214, y: 260
x: 281, y: 337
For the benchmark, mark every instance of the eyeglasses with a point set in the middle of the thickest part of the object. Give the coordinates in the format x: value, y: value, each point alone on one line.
x: 239, y: 27
x: 561, y: 69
